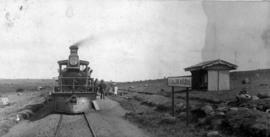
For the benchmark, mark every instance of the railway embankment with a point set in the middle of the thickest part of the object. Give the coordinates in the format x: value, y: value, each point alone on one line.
x: 25, y: 103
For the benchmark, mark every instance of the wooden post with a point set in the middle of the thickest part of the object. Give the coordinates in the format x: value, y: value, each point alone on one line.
x: 183, y: 81
x: 187, y: 106
x: 218, y: 80
x: 173, y: 101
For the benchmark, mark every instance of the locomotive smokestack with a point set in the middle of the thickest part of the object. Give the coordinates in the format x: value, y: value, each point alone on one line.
x: 73, y: 57
x: 73, y: 49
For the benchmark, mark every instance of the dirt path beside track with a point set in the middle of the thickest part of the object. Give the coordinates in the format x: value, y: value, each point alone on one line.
x: 108, y: 122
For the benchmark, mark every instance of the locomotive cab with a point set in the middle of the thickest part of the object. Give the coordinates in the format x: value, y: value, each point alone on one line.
x: 74, y: 79
x: 74, y: 88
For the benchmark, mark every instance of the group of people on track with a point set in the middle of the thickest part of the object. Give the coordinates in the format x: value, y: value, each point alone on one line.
x: 103, y: 88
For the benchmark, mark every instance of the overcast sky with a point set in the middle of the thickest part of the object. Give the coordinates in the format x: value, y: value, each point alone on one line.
x: 124, y: 39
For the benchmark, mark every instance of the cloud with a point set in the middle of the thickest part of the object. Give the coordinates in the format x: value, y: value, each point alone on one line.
x: 123, y: 40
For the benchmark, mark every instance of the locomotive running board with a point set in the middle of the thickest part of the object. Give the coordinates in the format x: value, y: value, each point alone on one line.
x: 62, y: 93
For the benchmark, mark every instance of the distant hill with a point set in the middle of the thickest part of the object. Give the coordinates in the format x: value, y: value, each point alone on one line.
x: 253, y: 79
x: 149, y: 86
x: 11, y: 85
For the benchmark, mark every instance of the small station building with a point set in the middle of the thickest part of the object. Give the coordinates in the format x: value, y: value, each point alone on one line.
x: 211, y: 75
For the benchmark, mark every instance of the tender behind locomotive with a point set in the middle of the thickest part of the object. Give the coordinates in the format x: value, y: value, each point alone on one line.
x: 74, y: 90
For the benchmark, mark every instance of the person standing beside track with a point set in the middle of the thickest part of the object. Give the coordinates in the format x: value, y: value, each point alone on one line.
x: 96, y: 85
x: 102, y: 87
x: 115, y: 91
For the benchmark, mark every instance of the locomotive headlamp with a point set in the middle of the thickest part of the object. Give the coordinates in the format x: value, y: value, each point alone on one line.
x: 73, y: 60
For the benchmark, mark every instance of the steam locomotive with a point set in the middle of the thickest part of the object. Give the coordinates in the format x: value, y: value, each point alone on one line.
x: 74, y: 89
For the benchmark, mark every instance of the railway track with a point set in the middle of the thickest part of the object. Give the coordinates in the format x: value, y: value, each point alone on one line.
x: 86, y: 120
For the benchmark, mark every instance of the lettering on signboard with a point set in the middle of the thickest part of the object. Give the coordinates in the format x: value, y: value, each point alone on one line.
x: 179, y: 81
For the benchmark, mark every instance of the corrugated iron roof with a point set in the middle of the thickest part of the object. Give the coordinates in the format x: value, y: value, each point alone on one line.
x: 205, y: 64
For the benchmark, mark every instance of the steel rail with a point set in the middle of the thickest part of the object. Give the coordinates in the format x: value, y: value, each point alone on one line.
x: 85, y: 118
x: 89, y: 126
x: 58, y: 126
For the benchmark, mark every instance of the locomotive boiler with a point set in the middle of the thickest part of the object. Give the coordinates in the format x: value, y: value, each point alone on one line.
x: 74, y: 89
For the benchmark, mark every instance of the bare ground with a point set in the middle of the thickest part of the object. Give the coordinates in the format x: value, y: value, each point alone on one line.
x: 108, y: 122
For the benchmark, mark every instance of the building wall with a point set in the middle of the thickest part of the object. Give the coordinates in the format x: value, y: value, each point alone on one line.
x: 212, y: 80
x: 224, y: 80
x: 218, y: 80
x: 257, y: 79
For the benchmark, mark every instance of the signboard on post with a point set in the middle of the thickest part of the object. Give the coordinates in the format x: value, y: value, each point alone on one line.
x: 182, y: 81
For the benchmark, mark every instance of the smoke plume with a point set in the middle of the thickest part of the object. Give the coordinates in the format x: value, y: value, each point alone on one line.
x: 85, y: 42
x: 238, y: 32
x: 266, y: 37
